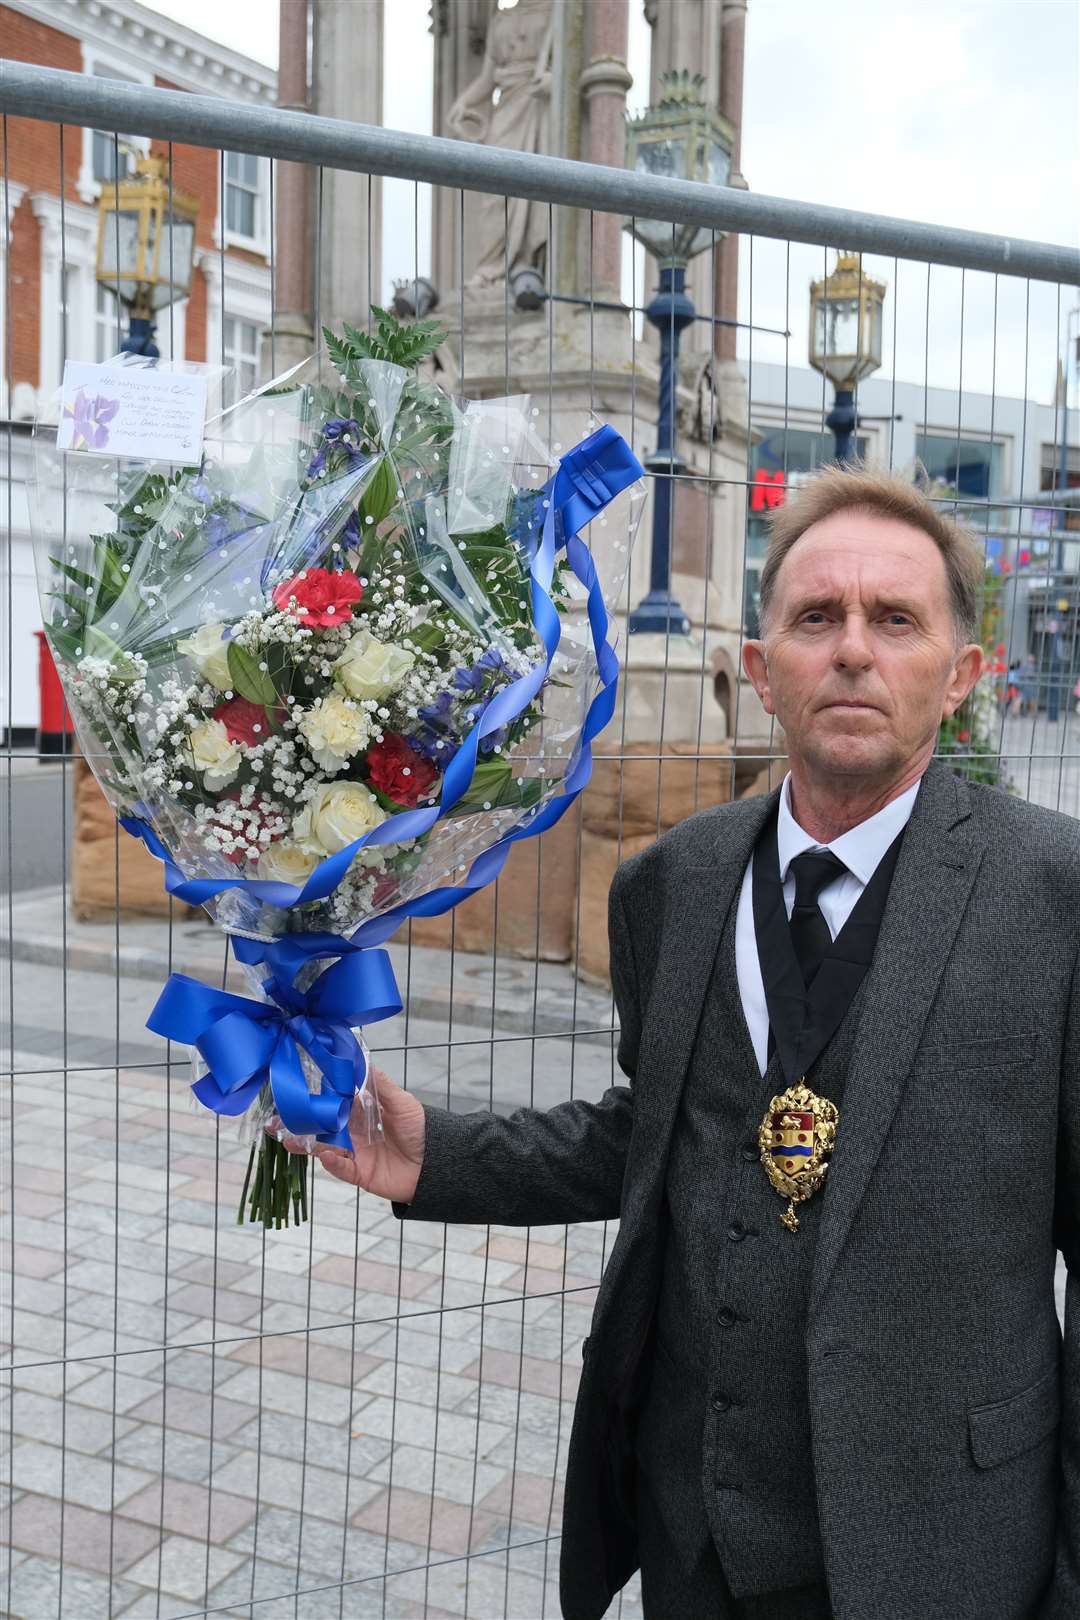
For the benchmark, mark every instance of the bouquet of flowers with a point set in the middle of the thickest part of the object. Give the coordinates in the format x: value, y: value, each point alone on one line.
x: 354, y: 653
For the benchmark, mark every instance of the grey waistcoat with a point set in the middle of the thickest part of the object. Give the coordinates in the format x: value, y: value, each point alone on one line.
x: 734, y: 1459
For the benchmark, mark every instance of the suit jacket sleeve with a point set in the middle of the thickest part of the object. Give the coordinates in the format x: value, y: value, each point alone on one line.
x: 1063, y: 1599
x: 539, y: 1167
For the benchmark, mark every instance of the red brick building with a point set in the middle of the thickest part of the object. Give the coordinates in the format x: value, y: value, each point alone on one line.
x: 47, y: 252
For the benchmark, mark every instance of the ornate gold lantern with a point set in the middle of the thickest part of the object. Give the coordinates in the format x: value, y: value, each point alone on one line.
x: 146, y: 246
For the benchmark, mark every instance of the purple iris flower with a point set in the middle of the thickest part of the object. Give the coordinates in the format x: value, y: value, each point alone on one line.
x: 90, y: 417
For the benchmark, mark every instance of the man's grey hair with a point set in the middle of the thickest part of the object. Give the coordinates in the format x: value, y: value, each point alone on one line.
x: 857, y: 487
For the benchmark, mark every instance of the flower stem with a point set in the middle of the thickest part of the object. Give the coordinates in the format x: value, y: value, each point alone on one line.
x: 279, y: 1178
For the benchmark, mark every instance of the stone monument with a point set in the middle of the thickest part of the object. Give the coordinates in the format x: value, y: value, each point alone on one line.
x: 508, y: 104
x: 551, y: 75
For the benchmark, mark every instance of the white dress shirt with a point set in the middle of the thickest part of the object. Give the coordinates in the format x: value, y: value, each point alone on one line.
x: 860, y: 849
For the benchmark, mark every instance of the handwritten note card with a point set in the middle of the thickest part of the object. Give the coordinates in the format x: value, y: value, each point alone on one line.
x: 132, y: 410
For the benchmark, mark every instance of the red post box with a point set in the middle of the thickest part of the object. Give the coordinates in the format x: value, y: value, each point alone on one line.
x: 55, y: 731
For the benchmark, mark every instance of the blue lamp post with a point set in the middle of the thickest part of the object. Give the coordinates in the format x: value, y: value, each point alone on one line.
x: 677, y: 138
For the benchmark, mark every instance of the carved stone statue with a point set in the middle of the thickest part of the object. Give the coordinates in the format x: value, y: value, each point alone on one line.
x: 509, y: 104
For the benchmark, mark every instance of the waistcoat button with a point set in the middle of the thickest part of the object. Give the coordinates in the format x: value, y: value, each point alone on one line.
x: 736, y: 1231
x: 750, y: 1152
x: 726, y: 1316
x: 721, y: 1403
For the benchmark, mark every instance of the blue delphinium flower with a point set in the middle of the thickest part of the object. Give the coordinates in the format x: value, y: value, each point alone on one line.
x: 494, y: 739
x: 217, y: 528
x: 473, y: 680
x: 435, y: 739
x: 341, y: 433
x: 350, y: 534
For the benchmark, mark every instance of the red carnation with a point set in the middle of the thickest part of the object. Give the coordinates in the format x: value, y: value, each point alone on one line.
x: 244, y: 722
x: 321, y: 597
x: 397, y: 770
x: 963, y: 736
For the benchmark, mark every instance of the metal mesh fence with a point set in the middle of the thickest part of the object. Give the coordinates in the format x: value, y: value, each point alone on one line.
x: 364, y: 1416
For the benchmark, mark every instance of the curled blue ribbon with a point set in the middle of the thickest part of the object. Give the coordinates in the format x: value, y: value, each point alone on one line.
x: 247, y: 1044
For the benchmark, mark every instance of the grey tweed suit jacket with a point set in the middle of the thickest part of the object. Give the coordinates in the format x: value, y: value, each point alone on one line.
x: 945, y: 1403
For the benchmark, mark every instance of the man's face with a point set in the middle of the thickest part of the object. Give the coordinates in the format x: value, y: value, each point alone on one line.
x: 860, y: 663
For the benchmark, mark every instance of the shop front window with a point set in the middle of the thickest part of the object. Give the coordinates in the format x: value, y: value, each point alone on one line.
x: 965, y: 467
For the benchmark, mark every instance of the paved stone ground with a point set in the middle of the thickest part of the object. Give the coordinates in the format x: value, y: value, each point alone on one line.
x: 348, y: 1401
x: 371, y: 1414
x: 347, y: 1409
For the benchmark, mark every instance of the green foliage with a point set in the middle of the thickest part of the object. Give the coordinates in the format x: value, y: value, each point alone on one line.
x: 392, y: 341
x: 248, y: 679
x: 967, y: 739
x: 380, y: 493
x: 968, y: 754
x: 494, y: 784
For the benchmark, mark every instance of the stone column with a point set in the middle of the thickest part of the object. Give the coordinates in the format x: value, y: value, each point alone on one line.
x: 294, y: 246
x: 460, y: 30
x: 732, y: 52
x: 604, y: 84
x: 347, y: 83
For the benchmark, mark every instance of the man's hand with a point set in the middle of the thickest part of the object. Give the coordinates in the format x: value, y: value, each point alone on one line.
x: 388, y: 1165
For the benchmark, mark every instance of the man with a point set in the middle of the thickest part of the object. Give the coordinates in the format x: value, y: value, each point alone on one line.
x: 825, y: 1374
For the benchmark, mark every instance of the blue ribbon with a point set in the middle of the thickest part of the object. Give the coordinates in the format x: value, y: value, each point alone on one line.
x: 247, y: 1044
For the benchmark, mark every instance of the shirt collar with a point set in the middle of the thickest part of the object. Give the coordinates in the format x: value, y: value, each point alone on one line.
x: 860, y: 848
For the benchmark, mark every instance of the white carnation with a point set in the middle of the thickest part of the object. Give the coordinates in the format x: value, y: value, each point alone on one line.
x: 334, y: 730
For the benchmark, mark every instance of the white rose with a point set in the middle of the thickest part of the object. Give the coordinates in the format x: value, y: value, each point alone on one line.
x: 372, y: 669
x: 286, y: 862
x: 208, y: 651
x: 217, y: 757
x: 334, y: 731
x: 336, y: 814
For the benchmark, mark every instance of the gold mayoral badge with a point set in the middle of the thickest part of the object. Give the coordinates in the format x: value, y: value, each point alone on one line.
x: 795, y: 1137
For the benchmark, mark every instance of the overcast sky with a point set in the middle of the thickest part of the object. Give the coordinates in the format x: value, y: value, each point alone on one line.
x: 959, y: 112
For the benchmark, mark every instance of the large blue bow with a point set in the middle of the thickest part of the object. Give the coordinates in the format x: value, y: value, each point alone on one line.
x: 247, y: 1043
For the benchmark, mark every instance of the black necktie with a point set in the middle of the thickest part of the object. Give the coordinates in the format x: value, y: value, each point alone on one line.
x: 810, y: 935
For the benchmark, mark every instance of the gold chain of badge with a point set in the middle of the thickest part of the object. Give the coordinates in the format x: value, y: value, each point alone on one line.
x: 795, y: 1138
